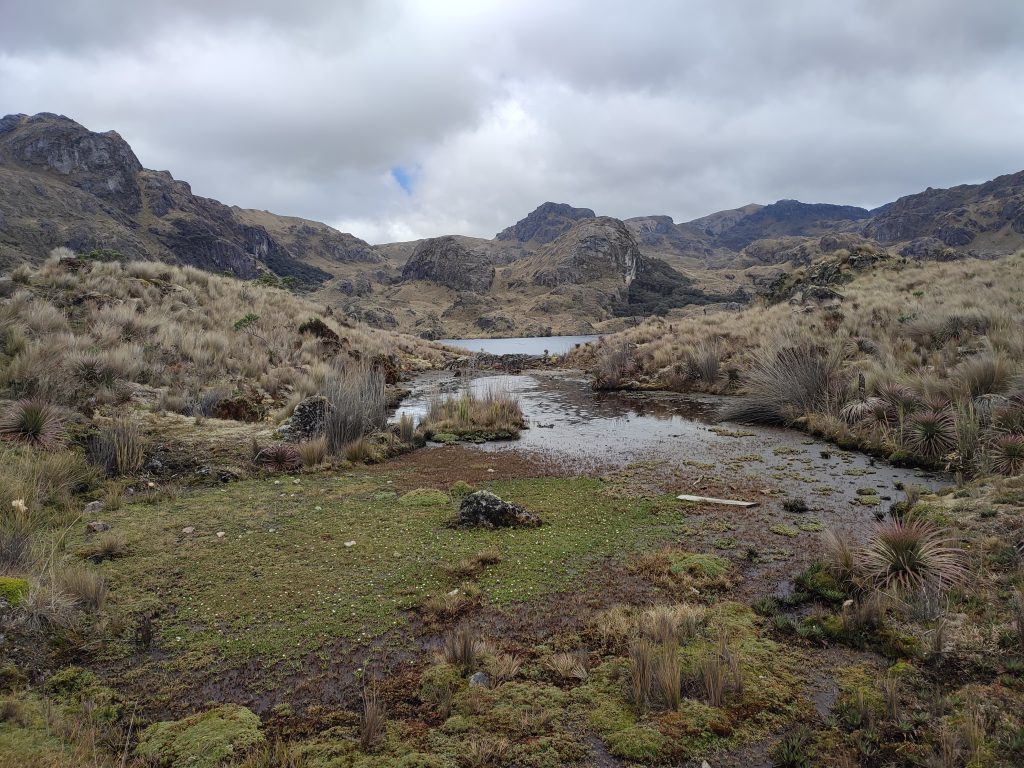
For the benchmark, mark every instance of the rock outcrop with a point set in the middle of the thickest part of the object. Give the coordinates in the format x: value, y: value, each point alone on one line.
x: 547, y: 222
x: 486, y: 510
x: 445, y: 261
x: 594, y: 249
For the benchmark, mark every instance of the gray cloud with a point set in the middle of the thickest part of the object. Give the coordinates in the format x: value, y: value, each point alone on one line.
x: 306, y: 107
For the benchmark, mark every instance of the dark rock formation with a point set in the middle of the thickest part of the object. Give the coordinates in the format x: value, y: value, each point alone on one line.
x: 63, y: 185
x: 545, y: 223
x: 954, y: 216
x: 484, y: 509
x: 308, y: 419
x: 594, y: 249
x: 788, y: 217
x: 445, y: 261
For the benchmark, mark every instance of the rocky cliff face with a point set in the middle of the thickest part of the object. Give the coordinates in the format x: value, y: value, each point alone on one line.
x: 445, y: 261
x: 594, y: 249
x: 63, y: 185
x: 545, y: 223
x: 957, y: 217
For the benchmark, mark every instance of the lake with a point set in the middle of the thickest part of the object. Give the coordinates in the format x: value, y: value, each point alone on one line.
x: 536, y: 345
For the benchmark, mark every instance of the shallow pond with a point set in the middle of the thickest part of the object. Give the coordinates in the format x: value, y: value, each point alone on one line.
x: 538, y: 345
x: 589, y: 432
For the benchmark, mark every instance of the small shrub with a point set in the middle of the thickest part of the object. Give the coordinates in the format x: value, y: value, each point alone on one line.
x: 13, y: 590
x: 904, y: 555
x: 795, y: 505
x: 279, y: 457
x: 372, y: 720
x: 460, y: 489
x: 567, y: 666
x: 312, y: 452
x: 118, y: 448
x: 86, y: 587
x: 33, y: 422
x: 1007, y: 454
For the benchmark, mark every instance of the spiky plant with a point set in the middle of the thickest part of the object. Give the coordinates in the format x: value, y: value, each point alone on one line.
x: 932, y: 434
x: 905, y: 555
x: 856, y: 411
x: 1007, y: 454
x: 34, y: 422
x: 1009, y: 418
x: 279, y: 457
x: 899, y: 399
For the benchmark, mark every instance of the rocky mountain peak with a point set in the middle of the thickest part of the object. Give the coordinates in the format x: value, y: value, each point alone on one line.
x: 102, y: 164
x: 546, y: 223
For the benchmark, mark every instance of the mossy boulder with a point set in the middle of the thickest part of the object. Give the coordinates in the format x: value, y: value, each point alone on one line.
x: 13, y: 589
x: 440, y: 682
x: 699, y: 565
x: 205, y: 740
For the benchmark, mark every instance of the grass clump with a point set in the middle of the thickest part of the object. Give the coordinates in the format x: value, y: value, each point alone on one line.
x: 33, y: 422
x: 489, y: 416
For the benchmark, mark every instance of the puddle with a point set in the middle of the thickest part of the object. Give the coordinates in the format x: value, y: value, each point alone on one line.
x: 587, y: 431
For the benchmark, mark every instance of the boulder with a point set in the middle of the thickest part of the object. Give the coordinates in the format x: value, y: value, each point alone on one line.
x: 484, y: 509
x: 308, y: 418
x: 92, y: 508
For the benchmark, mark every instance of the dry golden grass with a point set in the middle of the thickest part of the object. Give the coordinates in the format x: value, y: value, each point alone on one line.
x: 912, y: 361
x: 74, y: 330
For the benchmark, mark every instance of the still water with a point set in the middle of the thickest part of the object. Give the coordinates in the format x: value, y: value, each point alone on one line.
x: 537, y: 345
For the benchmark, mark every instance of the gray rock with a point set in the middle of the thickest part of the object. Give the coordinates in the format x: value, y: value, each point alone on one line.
x: 594, y: 249
x: 479, y: 680
x: 188, y: 530
x: 444, y: 260
x: 92, y: 508
x: 545, y: 223
x: 486, y: 510
x: 97, y: 526
x: 308, y: 418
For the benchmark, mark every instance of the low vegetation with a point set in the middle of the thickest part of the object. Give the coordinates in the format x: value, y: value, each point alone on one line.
x: 919, y: 362
x: 492, y: 415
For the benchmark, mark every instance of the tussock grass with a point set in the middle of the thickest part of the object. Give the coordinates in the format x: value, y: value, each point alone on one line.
x: 923, y: 362
x: 67, y: 336
x: 494, y: 412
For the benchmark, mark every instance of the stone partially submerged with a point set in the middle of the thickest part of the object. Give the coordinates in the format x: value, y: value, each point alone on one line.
x: 484, y: 509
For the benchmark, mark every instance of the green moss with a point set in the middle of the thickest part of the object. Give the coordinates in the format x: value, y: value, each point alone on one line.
x: 447, y: 438
x: 868, y: 501
x: 811, y: 526
x: 424, y: 497
x: 782, y: 529
x: 13, y: 589
x: 699, y: 565
x: 204, y: 740
x: 817, y: 581
x: 460, y: 489
x: 636, y: 743
x: 11, y: 678
x: 69, y: 683
x: 440, y: 682
x: 284, y: 581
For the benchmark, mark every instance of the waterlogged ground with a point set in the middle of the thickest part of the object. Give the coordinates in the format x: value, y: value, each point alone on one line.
x: 286, y: 592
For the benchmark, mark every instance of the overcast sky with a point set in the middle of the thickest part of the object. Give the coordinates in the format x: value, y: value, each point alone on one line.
x: 396, y: 120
